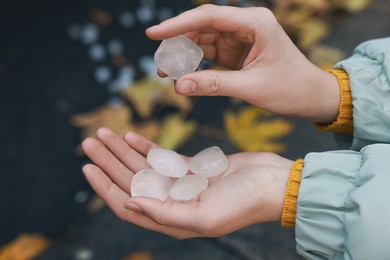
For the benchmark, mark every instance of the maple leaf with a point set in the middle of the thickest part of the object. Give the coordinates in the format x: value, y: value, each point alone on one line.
x: 175, y: 131
x: 118, y: 118
x: 145, y: 94
x: 253, y: 129
x: 25, y: 246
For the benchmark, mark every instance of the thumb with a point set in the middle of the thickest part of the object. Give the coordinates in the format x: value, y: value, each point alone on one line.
x: 236, y: 84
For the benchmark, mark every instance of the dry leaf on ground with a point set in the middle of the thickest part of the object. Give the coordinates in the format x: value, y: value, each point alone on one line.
x: 25, y: 246
x: 253, y: 129
x: 140, y: 255
x: 118, y: 118
x: 176, y: 131
x: 151, y: 91
x: 325, y: 56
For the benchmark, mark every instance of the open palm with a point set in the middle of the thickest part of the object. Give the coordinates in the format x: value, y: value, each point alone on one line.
x: 250, y: 191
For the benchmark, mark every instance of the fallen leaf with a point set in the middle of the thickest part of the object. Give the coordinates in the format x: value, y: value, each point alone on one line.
x: 120, y: 60
x: 25, y: 246
x: 175, y: 131
x: 118, y: 118
x: 311, y: 32
x: 95, y: 204
x: 253, y: 129
x: 313, y: 5
x: 202, y: 2
x: 100, y: 17
x: 325, y: 56
x: 352, y: 6
x: 141, y: 255
x: 151, y: 91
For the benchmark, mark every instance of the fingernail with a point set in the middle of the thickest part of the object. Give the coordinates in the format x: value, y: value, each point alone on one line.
x: 133, y: 207
x: 187, y: 87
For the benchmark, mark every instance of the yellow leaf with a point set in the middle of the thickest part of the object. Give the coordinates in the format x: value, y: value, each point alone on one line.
x: 352, y: 6
x: 175, y: 131
x: 252, y: 129
x: 311, y: 32
x: 118, y: 118
x: 141, y: 255
x: 145, y: 94
x: 202, y: 2
x: 95, y: 204
x: 25, y: 246
x: 325, y: 56
x: 313, y: 5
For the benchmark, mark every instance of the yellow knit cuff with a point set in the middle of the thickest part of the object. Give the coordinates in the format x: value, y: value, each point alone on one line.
x: 290, y: 200
x: 344, y: 121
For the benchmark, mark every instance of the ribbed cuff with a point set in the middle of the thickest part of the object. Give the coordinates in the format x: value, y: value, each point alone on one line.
x: 344, y: 121
x: 290, y: 200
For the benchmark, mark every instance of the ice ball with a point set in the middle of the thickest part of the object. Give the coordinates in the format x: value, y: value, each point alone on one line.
x: 167, y: 162
x: 209, y: 162
x: 188, y: 187
x: 178, y: 56
x: 149, y: 183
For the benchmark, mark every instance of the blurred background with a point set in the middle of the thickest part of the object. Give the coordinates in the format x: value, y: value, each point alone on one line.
x: 70, y: 67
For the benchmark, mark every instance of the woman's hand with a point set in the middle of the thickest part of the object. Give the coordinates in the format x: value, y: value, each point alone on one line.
x: 264, y: 67
x: 250, y: 191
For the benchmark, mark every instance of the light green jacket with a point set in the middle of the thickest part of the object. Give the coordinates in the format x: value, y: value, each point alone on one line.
x: 343, y: 208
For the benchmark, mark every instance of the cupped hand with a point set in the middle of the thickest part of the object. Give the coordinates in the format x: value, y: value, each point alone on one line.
x: 264, y: 67
x: 250, y: 191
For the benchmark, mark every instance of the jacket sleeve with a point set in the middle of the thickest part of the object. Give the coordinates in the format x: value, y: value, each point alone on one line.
x: 343, y: 204
x: 368, y: 70
x: 343, y: 207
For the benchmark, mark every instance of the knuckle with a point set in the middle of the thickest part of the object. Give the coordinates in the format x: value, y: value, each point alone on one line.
x: 260, y: 15
x: 126, y: 215
x: 207, y: 7
x: 265, y: 14
x: 214, y: 85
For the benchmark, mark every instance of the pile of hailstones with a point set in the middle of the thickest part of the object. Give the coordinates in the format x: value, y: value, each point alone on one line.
x: 173, y: 177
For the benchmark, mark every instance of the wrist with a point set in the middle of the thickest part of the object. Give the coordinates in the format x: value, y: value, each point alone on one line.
x: 323, y: 96
x: 344, y: 120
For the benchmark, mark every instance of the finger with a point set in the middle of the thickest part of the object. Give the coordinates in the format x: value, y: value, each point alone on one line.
x: 145, y: 221
x: 221, y: 18
x: 106, y: 189
x: 105, y: 160
x: 121, y: 150
x: 181, y: 215
x: 161, y: 73
x: 115, y: 198
x: 139, y: 143
x: 219, y: 83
